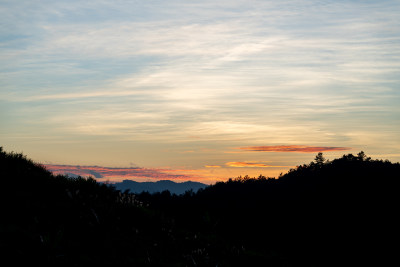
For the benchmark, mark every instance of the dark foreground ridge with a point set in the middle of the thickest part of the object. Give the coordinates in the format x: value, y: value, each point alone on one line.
x: 326, y: 213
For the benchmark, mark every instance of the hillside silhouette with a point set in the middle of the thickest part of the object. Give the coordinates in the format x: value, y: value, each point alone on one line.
x: 325, y: 213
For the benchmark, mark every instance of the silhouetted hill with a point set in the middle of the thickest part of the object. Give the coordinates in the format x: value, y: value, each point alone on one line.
x: 159, y: 186
x: 325, y: 213
x: 318, y: 214
x: 77, y: 221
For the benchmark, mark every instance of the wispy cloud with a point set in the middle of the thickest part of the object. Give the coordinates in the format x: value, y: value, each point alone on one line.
x: 293, y: 148
x: 251, y: 164
x: 107, y: 173
x: 142, y: 76
x: 212, y: 166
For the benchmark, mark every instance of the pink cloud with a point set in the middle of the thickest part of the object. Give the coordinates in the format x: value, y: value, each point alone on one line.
x: 293, y: 148
x: 105, y: 173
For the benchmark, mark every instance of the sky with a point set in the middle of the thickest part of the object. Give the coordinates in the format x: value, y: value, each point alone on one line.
x: 198, y: 90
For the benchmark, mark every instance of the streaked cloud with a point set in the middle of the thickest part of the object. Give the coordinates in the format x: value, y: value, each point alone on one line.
x: 251, y: 164
x: 293, y: 148
x: 107, y: 173
x: 113, y: 82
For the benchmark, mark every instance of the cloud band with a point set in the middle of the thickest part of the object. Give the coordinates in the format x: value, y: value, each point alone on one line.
x: 250, y: 164
x: 293, y: 148
x: 106, y: 172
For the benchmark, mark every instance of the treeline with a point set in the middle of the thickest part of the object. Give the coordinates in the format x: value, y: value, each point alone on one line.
x: 325, y: 213
x: 318, y: 214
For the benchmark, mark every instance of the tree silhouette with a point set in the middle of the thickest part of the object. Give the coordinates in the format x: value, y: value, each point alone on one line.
x: 362, y: 157
x: 319, y: 159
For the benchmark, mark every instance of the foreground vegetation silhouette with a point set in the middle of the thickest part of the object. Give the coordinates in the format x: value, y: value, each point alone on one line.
x: 325, y: 213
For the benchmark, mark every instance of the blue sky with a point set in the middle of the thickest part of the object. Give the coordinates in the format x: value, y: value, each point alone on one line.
x: 184, y: 84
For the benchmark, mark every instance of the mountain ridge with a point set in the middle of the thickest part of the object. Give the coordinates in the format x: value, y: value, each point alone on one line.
x: 159, y: 186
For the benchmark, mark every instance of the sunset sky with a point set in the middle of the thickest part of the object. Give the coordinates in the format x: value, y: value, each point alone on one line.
x: 198, y: 90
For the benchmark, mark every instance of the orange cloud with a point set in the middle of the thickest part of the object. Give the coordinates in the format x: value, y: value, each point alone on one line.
x: 294, y: 148
x: 251, y: 164
x: 212, y: 166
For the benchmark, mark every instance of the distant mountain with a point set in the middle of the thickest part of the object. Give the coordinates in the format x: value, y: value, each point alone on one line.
x: 159, y: 186
x: 71, y: 175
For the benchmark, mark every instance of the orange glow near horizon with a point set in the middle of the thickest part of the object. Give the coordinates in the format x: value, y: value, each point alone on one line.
x: 251, y: 164
x: 207, y: 175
